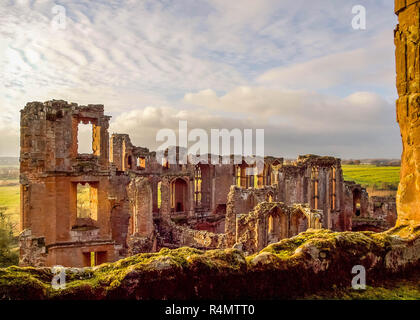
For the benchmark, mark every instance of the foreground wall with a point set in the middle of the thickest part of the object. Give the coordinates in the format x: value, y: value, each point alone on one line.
x: 408, y: 106
x: 307, y: 263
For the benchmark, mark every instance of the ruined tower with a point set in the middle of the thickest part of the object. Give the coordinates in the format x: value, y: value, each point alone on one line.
x: 408, y: 108
x: 55, y: 229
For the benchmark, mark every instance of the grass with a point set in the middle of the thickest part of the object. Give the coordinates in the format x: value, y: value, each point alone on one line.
x: 371, y: 176
x: 10, y: 199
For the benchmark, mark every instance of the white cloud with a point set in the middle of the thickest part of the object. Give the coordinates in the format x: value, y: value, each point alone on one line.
x: 295, y: 122
x: 312, y: 110
x: 271, y: 64
x: 372, y: 65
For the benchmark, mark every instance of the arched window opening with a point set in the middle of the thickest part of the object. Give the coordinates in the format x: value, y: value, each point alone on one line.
x: 179, y: 192
x: 357, y: 207
x: 130, y: 162
x: 270, y: 225
x: 197, y: 186
x: 238, y: 176
x: 298, y: 223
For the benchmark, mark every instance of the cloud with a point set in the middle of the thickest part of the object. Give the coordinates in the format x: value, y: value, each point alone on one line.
x: 294, y: 122
x: 302, y: 120
x: 143, y: 124
x: 300, y: 107
x: 287, y: 66
x: 368, y: 66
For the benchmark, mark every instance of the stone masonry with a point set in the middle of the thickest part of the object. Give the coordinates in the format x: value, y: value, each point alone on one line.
x: 137, y: 201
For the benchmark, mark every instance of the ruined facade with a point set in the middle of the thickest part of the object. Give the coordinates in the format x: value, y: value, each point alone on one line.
x: 82, y: 209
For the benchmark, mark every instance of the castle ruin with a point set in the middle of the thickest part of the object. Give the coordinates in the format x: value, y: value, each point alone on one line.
x: 137, y: 203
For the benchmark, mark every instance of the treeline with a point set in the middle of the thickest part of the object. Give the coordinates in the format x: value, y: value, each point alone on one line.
x: 9, y: 161
x: 9, y: 173
x: 375, y: 162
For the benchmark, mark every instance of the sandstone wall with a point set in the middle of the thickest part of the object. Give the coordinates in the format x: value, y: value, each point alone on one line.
x: 407, y: 54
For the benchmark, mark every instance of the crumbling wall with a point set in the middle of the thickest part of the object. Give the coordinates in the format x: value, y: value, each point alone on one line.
x: 172, y: 235
x: 317, y: 181
x: 142, y: 231
x: 380, y: 216
x: 33, y: 251
x: 207, y: 196
x: 271, y: 222
x: 242, y: 201
x: 50, y: 170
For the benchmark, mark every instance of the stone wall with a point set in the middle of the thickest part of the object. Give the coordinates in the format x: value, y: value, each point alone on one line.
x: 381, y: 215
x: 130, y: 186
x: 272, y: 222
x: 50, y: 170
x: 407, y: 54
x: 242, y: 201
x: 173, y: 235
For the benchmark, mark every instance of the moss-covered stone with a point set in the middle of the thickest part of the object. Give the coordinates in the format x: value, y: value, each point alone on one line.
x: 314, y: 261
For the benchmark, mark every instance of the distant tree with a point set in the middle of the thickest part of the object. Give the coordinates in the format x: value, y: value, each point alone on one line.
x: 356, y: 162
x: 8, y: 257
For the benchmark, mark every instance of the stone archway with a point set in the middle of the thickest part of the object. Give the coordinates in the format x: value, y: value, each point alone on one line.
x: 356, y: 202
x: 269, y: 197
x: 298, y: 223
x: 179, y: 195
x: 276, y: 226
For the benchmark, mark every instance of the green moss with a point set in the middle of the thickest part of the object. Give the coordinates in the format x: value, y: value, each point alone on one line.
x: 229, y: 260
x: 287, y: 247
x: 179, y: 264
x: 391, y: 290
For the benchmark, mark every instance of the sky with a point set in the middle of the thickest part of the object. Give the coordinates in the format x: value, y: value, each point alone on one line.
x: 295, y: 68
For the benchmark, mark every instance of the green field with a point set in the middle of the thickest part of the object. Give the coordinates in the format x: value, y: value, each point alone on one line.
x: 10, y: 199
x: 370, y: 176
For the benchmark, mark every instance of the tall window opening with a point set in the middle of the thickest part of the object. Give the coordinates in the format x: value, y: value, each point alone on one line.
x: 238, y: 176
x: 298, y: 223
x: 87, y: 201
x: 333, y: 189
x: 130, y: 162
x: 252, y: 181
x: 277, y: 226
x: 159, y: 194
x: 270, y: 225
x: 179, y: 193
x: 141, y: 163
x: 84, y: 138
x: 197, y: 186
x: 357, y: 208
x: 315, y: 182
x: 165, y: 162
